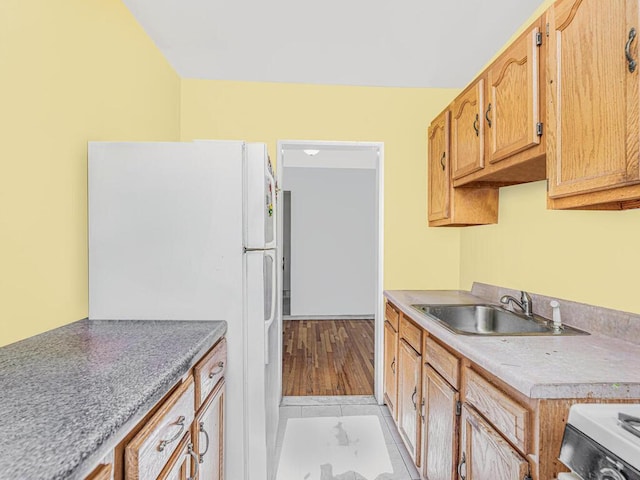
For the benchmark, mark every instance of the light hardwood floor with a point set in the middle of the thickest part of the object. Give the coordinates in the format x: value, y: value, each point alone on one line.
x: 328, y: 357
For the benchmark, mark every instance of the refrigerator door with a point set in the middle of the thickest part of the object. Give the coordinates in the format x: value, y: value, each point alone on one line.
x: 260, y: 198
x: 262, y: 403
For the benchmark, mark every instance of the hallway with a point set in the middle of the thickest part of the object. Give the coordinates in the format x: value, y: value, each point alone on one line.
x: 341, y: 442
x: 328, y: 357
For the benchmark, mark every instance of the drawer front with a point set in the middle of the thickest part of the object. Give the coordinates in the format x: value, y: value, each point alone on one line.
x: 411, y: 333
x: 443, y: 362
x: 150, y: 450
x: 209, y: 371
x: 391, y: 314
x: 508, y: 416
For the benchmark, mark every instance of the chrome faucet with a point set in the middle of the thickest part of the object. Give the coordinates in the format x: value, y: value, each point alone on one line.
x: 525, y: 304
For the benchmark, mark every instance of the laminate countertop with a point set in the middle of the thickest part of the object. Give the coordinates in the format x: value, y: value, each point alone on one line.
x: 589, y: 366
x: 69, y: 396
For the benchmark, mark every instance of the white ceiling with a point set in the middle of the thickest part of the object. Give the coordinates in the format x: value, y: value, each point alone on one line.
x: 400, y: 43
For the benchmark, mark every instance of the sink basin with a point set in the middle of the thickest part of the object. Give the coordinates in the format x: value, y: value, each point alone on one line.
x: 491, y: 320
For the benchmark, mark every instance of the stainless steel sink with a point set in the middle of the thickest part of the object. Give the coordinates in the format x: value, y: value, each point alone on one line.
x: 491, y: 320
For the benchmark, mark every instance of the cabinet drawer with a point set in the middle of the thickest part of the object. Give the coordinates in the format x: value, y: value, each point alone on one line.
x: 150, y: 450
x: 508, y: 416
x: 411, y: 333
x: 443, y: 362
x: 209, y: 371
x: 391, y: 314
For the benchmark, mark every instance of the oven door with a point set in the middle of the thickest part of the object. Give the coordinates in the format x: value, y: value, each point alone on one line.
x: 590, y: 460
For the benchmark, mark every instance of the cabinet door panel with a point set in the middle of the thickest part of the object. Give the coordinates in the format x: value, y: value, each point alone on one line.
x: 179, y: 466
x: 409, y: 393
x: 441, y: 428
x: 208, y: 436
x: 513, y: 110
x: 439, y: 183
x: 484, y: 454
x: 390, y: 368
x: 467, y: 131
x: 593, y: 109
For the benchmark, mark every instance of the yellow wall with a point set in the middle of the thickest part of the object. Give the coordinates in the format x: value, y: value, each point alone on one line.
x: 589, y: 257
x: 70, y: 71
x: 415, y: 256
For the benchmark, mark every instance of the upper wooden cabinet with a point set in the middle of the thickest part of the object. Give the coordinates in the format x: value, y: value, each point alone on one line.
x: 438, y: 184
x: 467, y: 131
x: 448, y: 206
x: 501, y: 119
x: 592, y: 89
x: 512, y: 115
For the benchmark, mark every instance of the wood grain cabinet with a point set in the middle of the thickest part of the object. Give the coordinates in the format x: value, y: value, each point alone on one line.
x: 390, y: 368
x: 505, y: 108
x: 467, y: 131
x: 485, y: 455
x: 513, y: 112
x: 448, y: 206
x: 181, y: 466
x: 593, y: 104
x: 440, y: 427
x: 410, y: 397
x: 441, y: 404
x: 182, y: 436
x: 208, y: 435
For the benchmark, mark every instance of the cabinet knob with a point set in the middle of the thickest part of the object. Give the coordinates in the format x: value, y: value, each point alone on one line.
x: 442, y: 160
x: 475, y: 125
x: 486, y: 115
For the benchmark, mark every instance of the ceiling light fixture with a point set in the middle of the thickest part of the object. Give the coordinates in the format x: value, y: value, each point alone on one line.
x: 311, y: 152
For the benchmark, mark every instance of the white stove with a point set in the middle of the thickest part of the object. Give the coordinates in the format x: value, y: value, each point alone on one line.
x: 602, y: 441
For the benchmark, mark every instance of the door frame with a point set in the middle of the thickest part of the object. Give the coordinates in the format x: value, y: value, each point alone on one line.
x: 378, y: 147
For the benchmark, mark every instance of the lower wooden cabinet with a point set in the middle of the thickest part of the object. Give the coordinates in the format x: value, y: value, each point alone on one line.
x: 181, y: 464
x: 485, y: 455
x: 390, y: 368
x: 102, y: 472
x: 208, y: 434
x: 409, y: 398
x: 181, y: 437
x: 150, y: 450
x: 440, y: 432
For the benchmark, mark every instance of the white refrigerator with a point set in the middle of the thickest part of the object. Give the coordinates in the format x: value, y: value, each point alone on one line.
x: 187, y: 231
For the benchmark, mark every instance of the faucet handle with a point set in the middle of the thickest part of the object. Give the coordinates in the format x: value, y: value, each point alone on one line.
x: 527, y: 302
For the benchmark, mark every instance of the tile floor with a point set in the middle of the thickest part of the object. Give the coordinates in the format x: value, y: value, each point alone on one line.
x: 307, y: 441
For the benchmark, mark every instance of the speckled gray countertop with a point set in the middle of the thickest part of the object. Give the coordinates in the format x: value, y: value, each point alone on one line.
x: 68, y: 396
x: 538, y: 366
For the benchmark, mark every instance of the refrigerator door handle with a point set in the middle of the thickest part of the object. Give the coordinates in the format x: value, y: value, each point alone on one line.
x: 274, y: 297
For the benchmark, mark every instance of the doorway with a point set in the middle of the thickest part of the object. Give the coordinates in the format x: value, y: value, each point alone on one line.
x: 331, y: 256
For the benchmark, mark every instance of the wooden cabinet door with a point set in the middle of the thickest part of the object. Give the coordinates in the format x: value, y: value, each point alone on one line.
x: 439, y: 182
x: 467, y: 131
x: 390, y: 368
x: 409, y: 393
x: 440, y: 441
x: 180, y: 464
x: 208, y: 436
x: 592, y: 141
x: 512, y: 113
x: 484, y: 454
